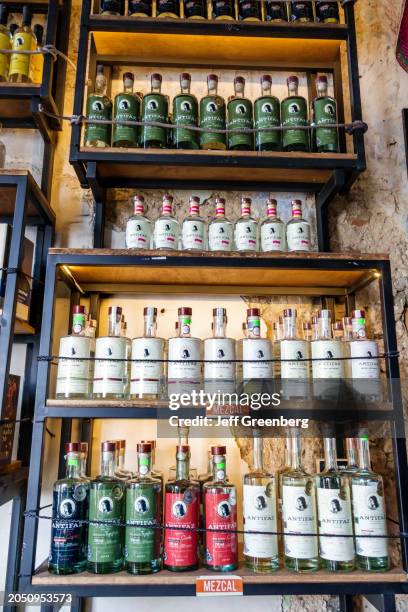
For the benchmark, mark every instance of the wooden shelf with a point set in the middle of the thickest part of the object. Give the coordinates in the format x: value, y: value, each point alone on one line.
x: 23, y: 327
x: 37, y: 204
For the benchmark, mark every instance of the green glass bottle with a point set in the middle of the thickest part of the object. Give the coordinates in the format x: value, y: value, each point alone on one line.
x: 185, y: 112
x: 106, y: 506
x: 267, y: 115
x: 143, y: 509
x: 240, y: 116
x: 294, y: 114
x: 127, y: 108
x: 155, y: 107
x: 98, y: 106
x: 212, y: 116
x: 326, y: 140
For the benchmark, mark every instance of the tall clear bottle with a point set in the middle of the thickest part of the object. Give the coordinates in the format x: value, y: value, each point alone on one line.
x: 219, y: 357
x: 352, y: 456
x: 259, y: 513
x: 126, y: 107
x: 212, y: 116
x: 23, y: 40
x: 326, y: 139
x: 364, y: 362
x: 148, y: 353
x: 73, y: 374
x: 272, y: 230
x: 246, y: 229
x: 99, y: 107
x: 155, y: 108
x: 294, y: 352
x: 184, y: 357
x: 138, y: 226
x: 369, y: 514
x: 5, y: 43
x: 335, y: 521
x: 194, y: 228
x: 166, y: 228
x: 267, y: 115
x: 327, y: 352
x: 294, y: 115
x: 239, y: 117
x: 112, y: 353
x: 298, y: 230
x: 185, y: 112
x: 256, y: 351
x: 220, y: 229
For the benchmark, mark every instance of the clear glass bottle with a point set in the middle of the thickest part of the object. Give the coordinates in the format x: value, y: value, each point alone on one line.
x: 299, y: 515
x: 106, y: 506
x: 369, y: 514
x: 138, y: 226
x: 112, y: 353
x: 272, y: 230
x: 98, y: 106
x: 155, y: 108
x: 212, y: 116
x: 327, y: 11
x: 112, y: 7
x: 294, y: 115
x: 301, y: 10
x: 185, y: 112
x: 220, y: 511
x: 219, y: 357
x: 294, y: 352
x: 276, y: 10
x: 256, y: 351
x: 327, y: 352
x: 249, y: 10
x: 126, y: 107
x: 276, y: 341
x: 239, y: 117
x: 364, y: 362
x: 73, y: 375
x: 267, y: 115
x: 246, y: 229
x: 23, y: 40
x: 37, y: 61
x: 5, y: 43
x: 220, y: 229
x: 181, y: 517
x: 259, y: 514
x: 148, y: 354
x: 297, y: 230
x: 140, y: 8
x: 193, y: 231
x: 184, y: 357
x: 195, y: 9
x: 223, y: 10
x: 70, y: 506
x: 324, y: 107
x: 335, y: 521
x: 166, y: 228
x: 352, y: 456
x: 143, y: 510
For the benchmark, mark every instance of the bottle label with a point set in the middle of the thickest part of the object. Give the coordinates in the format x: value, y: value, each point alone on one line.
x: 221, y: 513
x: 195, y: 8
x: 183, y: 352
x: 325, y: 112
x: 68, y: 536
x: 142, y: 545
x: 222, y: 352
x: 105, y: 539
x: 220, y: 236
x: 245, y: 235
x: 185, y: 112
x: 110, y: 376
x: 275, y: 11
x: 298, y: 236
x: 364, y: 367
x: 272, y: 236
x: 73, y: 374
x: 154, y: 108
x: 249, y: 9
x: 302, y: 11
x: 240, y: 117
x: 138, y: 233
x: 126, y: 108
x: 329, y: 351
x: 20, y: 64
x: 212, y: 115
x: 193, y: 234
x: 295, y: 350
x: 166, y: 234
x: 294, y: 114
x: 257, y: 352
x: 181, y: 545
x: 299, y: 517
x: 369, y: 519
x: 168, y: 6
x: 327, y: 12
x: 223, y: 8
x: 5, y: 43
x: 140, y: 7
x: 260, y: 515
x: 266, y: 115
x: 98, y: 107
x: 334, y: 510
x: 146, y: 376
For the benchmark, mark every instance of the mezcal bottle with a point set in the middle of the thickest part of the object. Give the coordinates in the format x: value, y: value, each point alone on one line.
x: 168, y: 8
x: 267, y: 115
x: 111, y: 374
x: 294, y: 352
x: 185, y: 112
x: 294, y: 115
x: 143, y: 510
x: 367, y: 490
x: 219, y: 357
x: 327, y: 352
x: 5, y: 43
x: 352, y: 456
x: 334, y: 514
x: 240, y: 116
x: 181, y: 517
x: 140, y: 8
x: 195, y: 9
x: 326, y: 139
x: 220, y: 511
x: 23, y: 40
x: 212, y: 116
x: 126, y: 107
x: 166, y: 228
x: 223, y: 9
x: 220, y: 230
x: 297, y: 230
x: 107, y: 508
x: 112, y: 7
x: 301, y: 10
x: 249, y: 10
x: 138, y: 226
x: 37, y: 61
x: 98, y: 106
x: 147, y: 370
x: 73, y: 374
x: 184, y: 357
x: 193, y: 229
x: 70, y: 507
x: 155, y: 107
x: 275, y: 11
x: 327, y: 11
x: 256, y: 351
x: 364, y: 362
x: 246, y: 229
x: 273, y: 230
x: 299, y: 515
x: 259, y: 513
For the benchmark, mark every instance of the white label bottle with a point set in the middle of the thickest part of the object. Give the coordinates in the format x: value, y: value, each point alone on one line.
x: 220, y: 231
x: 219, y: 357
x: 193, y: 229
x: 256, y: 351
x: 147, y: 368
x: 138, y: 227
x: 297, y: 230
x: 327, y: 352
x: 166, y: 228
x: 73, y: 374
x: 184, y: 357
x: 246, y: 229
x: 273, y: 235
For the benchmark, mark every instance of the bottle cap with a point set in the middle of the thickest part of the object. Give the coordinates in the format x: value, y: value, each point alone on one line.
x: 108, y: 447
x: 219, y: 312
x: 266, y: 78
x: 321, y: 79
x: 218, y: 450
x: 156, y: 77
x: 185, y: 311
x: 151, y: 442
x: 220, y: 201
x: 358, y: 314
x: 271, y: 207
x: 292, y: 80
x: 27, y: 15
x: 168, y: 197
x: 185, y: 79
x: 253, y: 312
x: 144, y: 447
x: 183, y: 448
x: 73, y: 447
x: 128, y: 76
x: 289, y: 312
x: 138, y: 204
x: 78, y: 309
x: 212, y: 77
x: 239, y: 80
x: 220, y: 207
x: 150, y: 311
x: 115, y: 309
x: 194, y: 205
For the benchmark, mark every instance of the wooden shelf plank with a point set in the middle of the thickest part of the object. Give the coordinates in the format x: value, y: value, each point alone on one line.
x: 23, y: 327
x: 36, y: 200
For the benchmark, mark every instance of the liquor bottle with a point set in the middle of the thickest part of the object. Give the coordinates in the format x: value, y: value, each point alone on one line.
x: 259, y: 514
x: 106, y: 506
x: 166, y: 228
x: 184, y: 357
x: 140, y: 8
x: 239, y: 116
x: 301, y: 10
x: 327, y: 352
x: 256, y: 351
x: 299, y: 515
x: 267, y: 115
x: 223, y: 10
x: 219, y: 357
x: 143, y: 510
x: 369, y: 515
x: 327, y: 11
x: 364, y: 362
x: 138, y: 226
x: 273, y: 230
x: 155, y: 473
x: 220, y: 515
x: 249, y: 10
x: 111, y: 374
x: 73, y: 375
x: 324, y: 107
x: 286, y: 467
x: 126, y: 107
x: 5, y: 43
x: 275, y: 11
x: 193, y: 229
x: 294, y: 115
x: 168, y: 8
x: 220, y: 230
x: 246, y: 229
x: 155, y: 107
x: 212, y: 116
x: 37, y: 61
x: 23, y: 40
x: 183, y: 433
x: 181, y: 517
x: 297, y: 230
x: 195, y: 9
x: 352, y: 456
x: 294, y: 352
x: 112, y: 7
x: 98, y: 106
x: 185, y: 112
x: 334, y: 514
x: 147, y: 370
x: 276, y: 350
x: 69, y: 509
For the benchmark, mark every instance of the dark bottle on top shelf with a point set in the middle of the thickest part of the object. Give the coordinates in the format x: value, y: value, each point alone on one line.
x: 195, y: 9
x: 240, y: 116
x: 112, y: 7
x: 275, y: 11
x: 327, y: 11
x: 294, y: 114
x: 126, y: 107
x: 223, y: 9
x: 140, y: 8
x: 168, y: 8
x: 267, y: 115
x: 249, y: 10
x: 185, y: 112
x: 301, y: 10
x: 155, y: 107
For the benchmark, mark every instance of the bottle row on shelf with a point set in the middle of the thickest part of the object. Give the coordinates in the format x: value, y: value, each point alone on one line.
x: 114, y: 366
x: 323, y: 11
x: 122, y: 519
x: 264, y: 125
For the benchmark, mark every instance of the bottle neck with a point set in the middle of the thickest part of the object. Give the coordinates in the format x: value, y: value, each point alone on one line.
x: 266, y: 89
x: 78, y: 324
x: 288, y: 452
x: 185, y: 88
x: 253, y: 327
x: 219, y: 210
x: 121, y: 459
x: 183, y: 435
x: 100, y: 84
x: 184, y: 327
x: 219, y: 468
x: 296, y: 453
x: 128, y: 87
x: 167, y: 208
x: 293, y: 90
x: 330, y: 454
x: 144, y: 464
x: 239, y: 92
x: 245, y: 209
x: 84, y: 459
x: 219, y: 327
x: 258, y: 455
x: 289, y: 327
x: 352, y: 453
x: 150, y: 327
x: 324, y: 327
x: 156, y: 88
x: 322, y: 91
x: 114, y: 325
x: 182, y: 466
x: 364, y: 462
x: 108, y: 463
x: 73, y: 465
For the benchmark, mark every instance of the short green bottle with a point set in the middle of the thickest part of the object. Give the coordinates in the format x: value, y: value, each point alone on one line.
x: 98, y: 106
x: 126, y: 107
x: 294, y: 115
x: 185, y: 112
x: 240, y: 116
x: 212, y: 116
x: 155, y: 108
x: 267, y: 115
x: 325, y: 139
